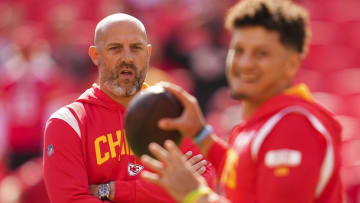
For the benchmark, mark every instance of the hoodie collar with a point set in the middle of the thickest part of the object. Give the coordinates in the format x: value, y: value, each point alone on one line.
x: 301, y: 91
x: 96, y: 96
x: 296, y: 95
x: 291, y: 96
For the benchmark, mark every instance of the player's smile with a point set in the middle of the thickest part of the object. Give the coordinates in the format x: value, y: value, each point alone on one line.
x: 248, y: 78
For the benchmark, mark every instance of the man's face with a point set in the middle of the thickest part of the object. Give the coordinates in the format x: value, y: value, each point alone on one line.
x: 123, y: 58
x: 258, y: 65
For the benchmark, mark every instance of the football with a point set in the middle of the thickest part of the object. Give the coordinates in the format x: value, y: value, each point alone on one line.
x: 143, y: 114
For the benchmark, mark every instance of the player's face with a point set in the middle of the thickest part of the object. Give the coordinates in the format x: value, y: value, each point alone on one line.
x: 258, y: 65
x: 123, y: 59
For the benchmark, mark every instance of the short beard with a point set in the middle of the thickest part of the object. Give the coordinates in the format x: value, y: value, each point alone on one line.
x: 121, y: 91
x: 110, y: 80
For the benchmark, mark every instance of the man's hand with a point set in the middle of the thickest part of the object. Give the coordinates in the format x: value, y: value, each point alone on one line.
x: 95, y: 188
x: 197, y: 163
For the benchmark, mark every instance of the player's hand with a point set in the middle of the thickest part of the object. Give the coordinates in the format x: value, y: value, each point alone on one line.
x: 191, y: 120
x: 197, y: 163
x: 172, y: 172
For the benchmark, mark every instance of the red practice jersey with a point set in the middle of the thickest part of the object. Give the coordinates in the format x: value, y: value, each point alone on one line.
x: 287, y: 151
x: 85, y: 144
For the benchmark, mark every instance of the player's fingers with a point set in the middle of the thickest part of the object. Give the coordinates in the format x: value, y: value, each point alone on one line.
x: 174, y: 151
x: 201, y: 170
x: 198, y: 165
x: 160, y: 153
x: 195, y: 159
x: 185, y: 98
x: 151, y: 177
x: 187, y: 155
x: 152, y: 164
x: 169, y: 124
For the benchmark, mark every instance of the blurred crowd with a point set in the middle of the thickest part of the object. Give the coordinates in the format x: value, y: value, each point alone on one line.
x: 44, y: 65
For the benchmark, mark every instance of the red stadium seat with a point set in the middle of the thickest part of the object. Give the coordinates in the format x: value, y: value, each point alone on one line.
x: 345, y: 82
x: 331, y: 102
x: 344, y: 10
x: 332, y: 10
x: 351, y: 152
x: 326, y: 58
x: 313, y: 79
x: 351, y: 127
x: 350, y: 33
x: 317, y: 10
x: 323, y: 32
x: 352, y: 105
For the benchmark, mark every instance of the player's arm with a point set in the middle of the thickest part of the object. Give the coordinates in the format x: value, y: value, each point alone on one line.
x: 290, y: 162
x: 65, y: 173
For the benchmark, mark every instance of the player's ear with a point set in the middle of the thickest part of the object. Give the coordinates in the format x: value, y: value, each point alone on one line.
x: 94, y: 54
x: 149, y: 47
x: 293, y: 65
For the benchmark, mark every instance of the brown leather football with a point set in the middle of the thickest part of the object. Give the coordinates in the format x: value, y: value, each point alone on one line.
x: 143, y: 114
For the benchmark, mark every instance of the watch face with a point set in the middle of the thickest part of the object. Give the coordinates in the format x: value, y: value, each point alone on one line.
x: 104, y: 191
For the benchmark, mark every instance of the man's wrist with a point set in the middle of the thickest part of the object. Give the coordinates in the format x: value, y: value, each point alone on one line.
x: 106, y: 191
x: 205, y: 131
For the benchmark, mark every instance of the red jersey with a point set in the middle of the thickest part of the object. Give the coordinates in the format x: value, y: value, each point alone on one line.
x: 85, y: 144
x: 287, y: 151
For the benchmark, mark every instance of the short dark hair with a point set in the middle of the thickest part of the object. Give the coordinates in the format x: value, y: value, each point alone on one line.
x: 282, y: 16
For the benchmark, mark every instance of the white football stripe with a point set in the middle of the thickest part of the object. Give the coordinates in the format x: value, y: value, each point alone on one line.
x: 66, y: 115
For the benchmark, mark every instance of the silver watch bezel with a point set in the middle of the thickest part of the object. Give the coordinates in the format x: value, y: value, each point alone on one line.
x: 104, y: 191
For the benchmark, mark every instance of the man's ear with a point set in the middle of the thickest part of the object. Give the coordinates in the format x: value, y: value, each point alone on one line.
x: 149, y: 47
x: 94, y: 54
x: 293, y: 65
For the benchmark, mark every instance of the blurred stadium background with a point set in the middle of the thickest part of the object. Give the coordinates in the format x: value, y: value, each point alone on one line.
x: 44, y: 65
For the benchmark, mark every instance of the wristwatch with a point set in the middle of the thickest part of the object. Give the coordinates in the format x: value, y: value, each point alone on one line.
x: 104, y: 191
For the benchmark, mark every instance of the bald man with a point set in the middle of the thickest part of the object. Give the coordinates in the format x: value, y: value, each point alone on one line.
x: 86, y: 155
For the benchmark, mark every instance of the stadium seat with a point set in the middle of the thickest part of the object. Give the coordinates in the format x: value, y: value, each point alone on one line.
x: 350, y: 32
x: 350, y: 152
x: 331, y: 102
x: 323, y: 32
x: 312, y: 78
x: 327, y: 58
x: 351, y: 127
x: 345, y: 82
x: 352, y: 105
